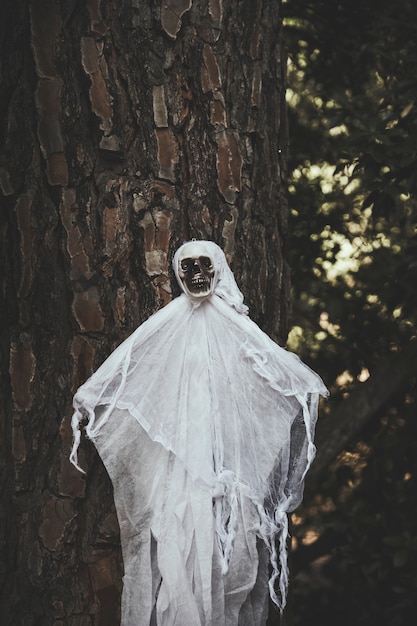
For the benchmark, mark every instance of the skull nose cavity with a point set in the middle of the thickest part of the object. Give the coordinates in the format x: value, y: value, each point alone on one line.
x: 196, y: 269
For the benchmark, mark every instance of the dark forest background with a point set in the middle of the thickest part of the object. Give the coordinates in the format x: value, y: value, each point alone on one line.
x: 352, y: 96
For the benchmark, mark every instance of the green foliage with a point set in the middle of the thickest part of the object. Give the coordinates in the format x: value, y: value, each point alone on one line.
x: 353, y: 173
x: 352, y: 96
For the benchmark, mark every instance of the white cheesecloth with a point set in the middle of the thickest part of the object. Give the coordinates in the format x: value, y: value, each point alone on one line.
x: 205, y: 426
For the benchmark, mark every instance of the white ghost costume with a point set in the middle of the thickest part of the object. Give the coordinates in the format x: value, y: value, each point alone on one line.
x: 205, y: 426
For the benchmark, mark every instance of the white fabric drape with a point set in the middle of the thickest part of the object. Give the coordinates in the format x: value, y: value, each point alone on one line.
x: 206, y: 428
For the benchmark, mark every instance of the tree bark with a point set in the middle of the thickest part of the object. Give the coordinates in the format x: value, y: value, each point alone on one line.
x: 128, y: 127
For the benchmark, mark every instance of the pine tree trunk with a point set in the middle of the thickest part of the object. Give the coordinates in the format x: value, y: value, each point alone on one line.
x: 128, y: 127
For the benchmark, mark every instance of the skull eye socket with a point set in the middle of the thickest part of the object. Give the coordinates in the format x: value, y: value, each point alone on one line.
x: 205, y: 262
x: 186, y: 264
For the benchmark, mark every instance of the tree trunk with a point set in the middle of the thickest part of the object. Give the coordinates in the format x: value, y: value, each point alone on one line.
x: 128, y: 127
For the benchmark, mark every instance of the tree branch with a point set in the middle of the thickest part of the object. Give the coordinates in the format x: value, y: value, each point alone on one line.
x: 353, y: 414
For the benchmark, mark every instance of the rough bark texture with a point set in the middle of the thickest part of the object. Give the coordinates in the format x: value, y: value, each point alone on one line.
x: 127, y: 127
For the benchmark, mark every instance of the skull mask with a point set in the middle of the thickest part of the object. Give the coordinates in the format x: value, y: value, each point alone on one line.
x: 196, y: 270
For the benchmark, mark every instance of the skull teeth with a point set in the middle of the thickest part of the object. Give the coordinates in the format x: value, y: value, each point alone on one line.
x: 199, y: 283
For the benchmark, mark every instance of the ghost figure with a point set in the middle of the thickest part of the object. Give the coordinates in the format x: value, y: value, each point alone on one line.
x: 205, y: 426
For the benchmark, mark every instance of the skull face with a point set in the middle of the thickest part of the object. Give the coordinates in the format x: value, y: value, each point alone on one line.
x: 196, y: 271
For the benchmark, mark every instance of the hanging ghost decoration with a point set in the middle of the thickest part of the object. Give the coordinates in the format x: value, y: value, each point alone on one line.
x: 205, y: 426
